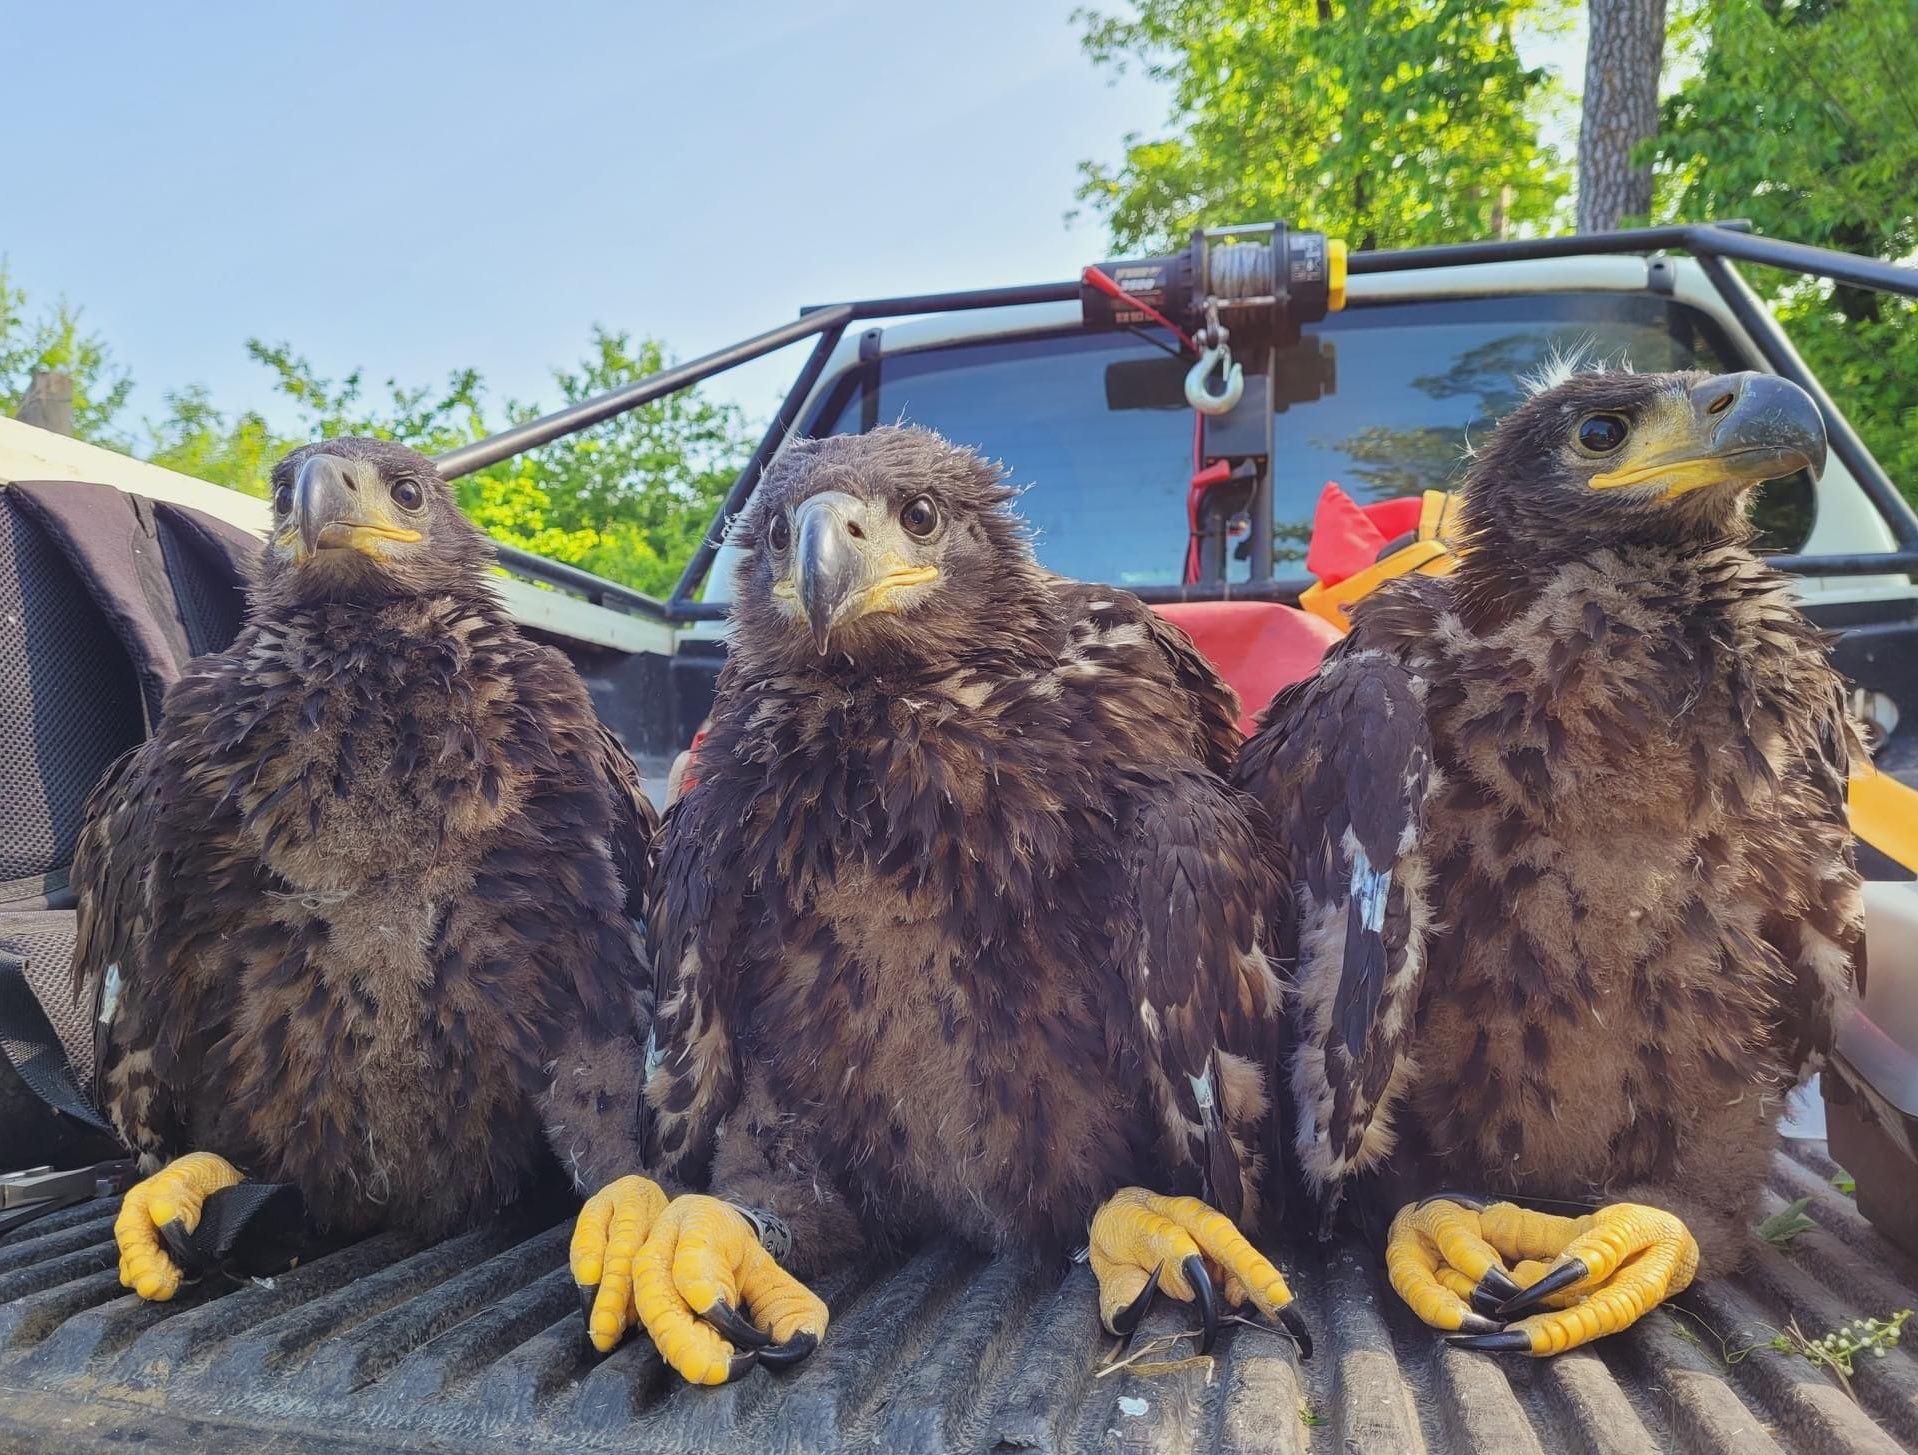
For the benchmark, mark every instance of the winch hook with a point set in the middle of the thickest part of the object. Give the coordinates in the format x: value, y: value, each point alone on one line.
x: 1198, y: 385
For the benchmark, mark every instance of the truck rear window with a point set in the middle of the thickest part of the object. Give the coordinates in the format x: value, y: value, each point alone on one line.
x: 1413, y: 385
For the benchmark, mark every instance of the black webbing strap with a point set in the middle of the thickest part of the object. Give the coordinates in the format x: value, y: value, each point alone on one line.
x: 249, y: 1228
x: 28, y: 1038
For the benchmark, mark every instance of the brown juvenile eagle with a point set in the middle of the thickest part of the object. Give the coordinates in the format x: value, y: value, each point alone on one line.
x: 362, y: 914
x: 960, y: 930
x: 1575, y: 884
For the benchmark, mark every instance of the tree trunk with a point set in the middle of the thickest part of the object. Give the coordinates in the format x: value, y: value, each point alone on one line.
x: 1620, y: 110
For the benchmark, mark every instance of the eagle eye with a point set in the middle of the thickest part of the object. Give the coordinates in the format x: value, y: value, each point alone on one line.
x: 920, y: 516
x: 1601, y: 434
x: 407, y: 493
x: 282, y: 499
x: 780, y: 533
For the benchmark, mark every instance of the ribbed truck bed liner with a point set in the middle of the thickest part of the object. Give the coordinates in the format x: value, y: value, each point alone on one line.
x: 475, y: 1344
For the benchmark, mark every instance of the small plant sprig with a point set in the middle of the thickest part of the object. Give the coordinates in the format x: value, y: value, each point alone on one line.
x: 1836, y: 1352
x: 1845, y: 1182
x: 1787, y: 1223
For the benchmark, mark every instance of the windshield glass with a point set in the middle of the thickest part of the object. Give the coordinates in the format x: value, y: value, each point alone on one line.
x: 1095, y: 425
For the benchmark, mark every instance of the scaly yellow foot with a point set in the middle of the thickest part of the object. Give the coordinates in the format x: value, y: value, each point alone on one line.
x: 699, y: 1268
x: 1596, y: 1274
x: 172, y: 1196
x: 1142, y: 1244
x: 612, y: 1227
x: 684, y: 1268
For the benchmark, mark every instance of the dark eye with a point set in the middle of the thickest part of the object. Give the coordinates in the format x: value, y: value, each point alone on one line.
x: 283, y: 500
x: 920, y: 516
x: 781, y: 533
x: 407, y: 493
x: 1600, y: 434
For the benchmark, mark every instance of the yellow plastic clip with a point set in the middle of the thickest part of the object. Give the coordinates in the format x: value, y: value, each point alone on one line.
x: 1884, y: 813
x: 1431, y: 553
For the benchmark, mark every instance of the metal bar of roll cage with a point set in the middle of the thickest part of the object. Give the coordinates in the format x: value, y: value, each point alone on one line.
x: 1715, y: 245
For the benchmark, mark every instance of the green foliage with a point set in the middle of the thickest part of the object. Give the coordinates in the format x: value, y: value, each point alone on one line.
x: 630, y: 498
x: 1835, y: 1353
x: 54, y: 340
x: 1389, y: 125
x: 1803, y: 116
x: 1787, y: 1223
x: 626, y: 500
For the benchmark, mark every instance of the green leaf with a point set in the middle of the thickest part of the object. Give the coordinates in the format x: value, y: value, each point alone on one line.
x: 1787, y: 1223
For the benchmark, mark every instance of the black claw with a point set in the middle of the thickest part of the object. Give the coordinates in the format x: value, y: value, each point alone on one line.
x: 1208, y: 1297
x: 727, y: 1319
x: 1483, y: 1302
x: 1478, y: 1324
x: 794, y: 1351
x: 1499, y: 1289
x: 180, y: 1246
x: 1126, y: 1320
x: 588, y: 1292
x: 1526, y: 1299
x: 742, y: 1363
x: 1505, y: 1341
x: 1294, y: 1324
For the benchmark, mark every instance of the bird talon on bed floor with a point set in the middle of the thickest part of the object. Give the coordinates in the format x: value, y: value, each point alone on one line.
x: 702, y: 1285
x: 1142, y: 1244
x: 170, y: 1199
x: 1571, y: 1280
x: 612, y: 1226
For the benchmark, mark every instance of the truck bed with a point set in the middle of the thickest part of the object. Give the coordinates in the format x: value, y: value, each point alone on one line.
x: 475, y: 1344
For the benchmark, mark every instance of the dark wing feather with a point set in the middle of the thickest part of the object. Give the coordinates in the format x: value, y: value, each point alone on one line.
x: 693, y: 1078
x: 1342, y: 763
x: 1199, y: 893
x: 635, y: 821
x: 1212, y: 703
x: 1821, y: 938
x: 151, y: 900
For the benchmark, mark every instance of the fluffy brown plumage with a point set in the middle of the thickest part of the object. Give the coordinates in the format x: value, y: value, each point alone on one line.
x: 365, y: 904
x: 960, y: 916
x: 1576, y: 890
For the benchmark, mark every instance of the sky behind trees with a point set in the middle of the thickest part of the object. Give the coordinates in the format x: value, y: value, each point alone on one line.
x: 423, y: 187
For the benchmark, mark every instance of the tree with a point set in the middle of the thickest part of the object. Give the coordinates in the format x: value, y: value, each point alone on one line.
x: 1625, y: 47
x: 1803, y: 116
x: 627, y: 499
x: 54, y: 340
x: 1390, y: 125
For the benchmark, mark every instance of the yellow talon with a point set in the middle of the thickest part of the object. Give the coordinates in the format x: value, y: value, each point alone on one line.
x: 613, y: 1224
x: 1419, y: 1252
x: 702, y: 1271
x: 1141, y: 1241
x: 1595, y: 1274
x: 175, y: 1193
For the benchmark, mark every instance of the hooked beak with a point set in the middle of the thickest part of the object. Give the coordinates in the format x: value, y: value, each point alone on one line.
x: 339, y: 503
x: 841, y: 573
x: 1737, y: 429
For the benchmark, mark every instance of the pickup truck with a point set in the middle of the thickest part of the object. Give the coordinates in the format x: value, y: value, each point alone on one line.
x: 475, y: 1343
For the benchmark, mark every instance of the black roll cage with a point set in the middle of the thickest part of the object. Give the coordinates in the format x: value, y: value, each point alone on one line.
x: 1715, y: 245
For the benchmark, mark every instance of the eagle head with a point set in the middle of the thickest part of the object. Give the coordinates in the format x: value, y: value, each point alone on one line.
x: 1606, y: 458
x: 887, y: 548
x: 367, y: 519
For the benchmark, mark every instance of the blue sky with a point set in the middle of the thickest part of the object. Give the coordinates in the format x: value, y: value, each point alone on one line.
x: 415, y: 187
